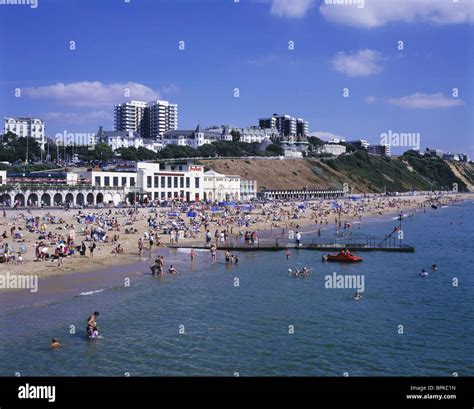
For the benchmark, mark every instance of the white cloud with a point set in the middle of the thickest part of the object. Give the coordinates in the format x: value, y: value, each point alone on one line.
x: 92, y: 93
x: 425, y: 101
x: 78, y: 117
x: 359, y: 64
x: 377, y: 13
x: 170, y: 89
x: 291, y: 8
x: 370, y: 99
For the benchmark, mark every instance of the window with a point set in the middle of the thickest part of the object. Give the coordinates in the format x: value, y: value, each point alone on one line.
x: 124, y: 181
x: 163, y: 183
x: 169, y: 181
x: 132, y: 181
x: 155, y: 195
x: 188, y: 183
x: 148, y: 181
x: 116, y: 180
x: 196, y: 183
x: 176, y: 181
x: 181, y: 181
x: 97, y: 181
x: 106, y: 181
x: 156, y: 182
x: 162, y: 195
x: 175, y: 194
x: 169, y: 195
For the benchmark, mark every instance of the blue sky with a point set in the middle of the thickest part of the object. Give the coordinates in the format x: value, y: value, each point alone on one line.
x: 244, y: 45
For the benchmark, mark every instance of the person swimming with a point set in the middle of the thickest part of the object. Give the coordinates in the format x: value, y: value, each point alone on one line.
x: 423, y: 273
x: 172, y: 270
x: 434, y: 267
x: 357, y: 296
x: 92, y: 329
x: 55, y: 343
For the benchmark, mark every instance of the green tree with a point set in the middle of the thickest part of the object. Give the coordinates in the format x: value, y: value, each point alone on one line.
x: 275, y: 150
x: 127, y: 153
x: 14, y: 148
x: 145, y: 154
x: 235, y: 135
x: 207, y: 150
x: 176, y: 151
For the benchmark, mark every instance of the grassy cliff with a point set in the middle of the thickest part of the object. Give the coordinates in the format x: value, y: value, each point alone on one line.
x: 366, y: 173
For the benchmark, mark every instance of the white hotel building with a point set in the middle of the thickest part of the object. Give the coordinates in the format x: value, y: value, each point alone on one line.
x: 193, y: 138
x: 219, y: 187
x: 159, y: 181
x: 155, y: 181
x: 26, y: 127
x: 127, y: 139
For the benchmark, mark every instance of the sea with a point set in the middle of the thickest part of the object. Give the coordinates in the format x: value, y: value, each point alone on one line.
x: 254, y: 319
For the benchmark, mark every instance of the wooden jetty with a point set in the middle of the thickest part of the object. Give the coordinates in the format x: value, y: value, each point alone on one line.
x: 365, y: 243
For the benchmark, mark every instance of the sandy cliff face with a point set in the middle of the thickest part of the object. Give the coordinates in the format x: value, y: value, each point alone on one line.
x: 465, y: 172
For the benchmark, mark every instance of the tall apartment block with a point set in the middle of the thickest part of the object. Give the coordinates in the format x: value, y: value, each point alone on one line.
x: 286, y: 125
x: 150, y: 120
x: 302, y: 127
x: 162, y: 117
x: 130, y: 116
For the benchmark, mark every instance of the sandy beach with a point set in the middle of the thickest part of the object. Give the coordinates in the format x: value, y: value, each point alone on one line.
x: 54, y: 227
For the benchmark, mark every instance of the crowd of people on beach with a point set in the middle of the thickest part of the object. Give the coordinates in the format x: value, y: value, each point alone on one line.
x: 55, y: 236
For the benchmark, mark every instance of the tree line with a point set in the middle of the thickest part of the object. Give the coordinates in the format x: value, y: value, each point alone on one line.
x: 14, y: 149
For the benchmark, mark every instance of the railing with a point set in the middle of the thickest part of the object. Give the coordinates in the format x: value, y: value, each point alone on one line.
x: 35, y: 187
x: 358, y: 241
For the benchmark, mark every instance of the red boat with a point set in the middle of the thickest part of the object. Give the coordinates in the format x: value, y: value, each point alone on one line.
x: 343, y: 257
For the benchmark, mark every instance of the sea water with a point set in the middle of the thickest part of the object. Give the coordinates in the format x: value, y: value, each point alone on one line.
x: 254, y: 319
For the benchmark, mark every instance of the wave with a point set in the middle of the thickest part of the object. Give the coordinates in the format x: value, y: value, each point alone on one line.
x: 91, y: 292
x: 188, y: 250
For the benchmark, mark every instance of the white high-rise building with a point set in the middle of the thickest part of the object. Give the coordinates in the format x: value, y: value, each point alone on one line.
x: 149, y: 120
x: 130, y: 117
x: 26, y: 127
x: 162, y: 117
